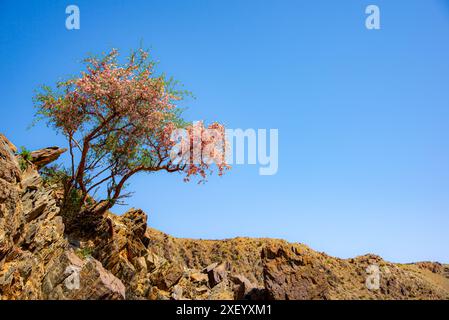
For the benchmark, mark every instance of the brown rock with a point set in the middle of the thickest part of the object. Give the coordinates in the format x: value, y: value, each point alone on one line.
x: 140, y: 264
x: 42, y: 157
x: 31, y: 179
x: 291, y: 275
x: 199, y: 278
x: 167, y: 276
x: 245, y: 290
x: 216, y: 273
x: 9, y: 167
x: 136, y: 221
x: 434, y: 267
x: 177, y: 293
x: 210, y: 267
x: 8, y: 143
x: 153, y: 261
x: 73, y: 278
x: 11, y: 218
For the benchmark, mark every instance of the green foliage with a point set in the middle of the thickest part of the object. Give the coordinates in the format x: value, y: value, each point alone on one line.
x: 25, y: 158
x: 84, y: 253
x: 55, y: 174
x: 74, y: 199
x: 72, y: 205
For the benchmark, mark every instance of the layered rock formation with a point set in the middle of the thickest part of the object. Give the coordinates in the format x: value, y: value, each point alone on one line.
x: 41, y: 258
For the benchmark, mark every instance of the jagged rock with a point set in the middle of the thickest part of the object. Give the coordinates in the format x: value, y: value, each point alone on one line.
x: 39, y: 203
x: 31, y: 179
x: 210, y: 267
x: 140, y: 264
x: 136, y: 221
x: 216, y: 273
x: 153, y: 261
x: 291, y: 275
x: 199, y: 278
x: 11, y: 218
x: 8, y: 143
x: 36, y: 211
x: 73, y: 278
x: 9, y: 167
x: 297, y: 272
x: 33, y: 248
x: 167, y: 276
x: 121, y: 249
x: 245, y: 290
x: 177, y: 293
x: 42, y: 157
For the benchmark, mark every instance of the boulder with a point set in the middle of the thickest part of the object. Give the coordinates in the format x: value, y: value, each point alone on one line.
x: 245, y: 290
x: 72, y: 278
x: 167, y: 276
x: 153, y: 261
x: 217, y: 273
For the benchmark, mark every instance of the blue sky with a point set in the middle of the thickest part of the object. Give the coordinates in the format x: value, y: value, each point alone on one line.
x: 363, y: 115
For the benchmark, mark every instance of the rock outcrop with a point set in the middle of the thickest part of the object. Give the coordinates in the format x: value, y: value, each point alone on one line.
x: 295, y: 272
x: 42, y: 157
x: 36, y: 258
x: 70, y: 277
x: 42, y: 258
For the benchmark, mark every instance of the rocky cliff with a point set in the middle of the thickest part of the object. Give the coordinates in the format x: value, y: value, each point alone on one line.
x: 42, y: 258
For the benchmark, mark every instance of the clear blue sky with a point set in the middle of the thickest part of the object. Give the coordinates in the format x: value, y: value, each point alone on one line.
x: 363, y: 116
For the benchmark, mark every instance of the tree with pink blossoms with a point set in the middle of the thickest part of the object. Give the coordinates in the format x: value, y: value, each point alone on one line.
x: 121, y: 119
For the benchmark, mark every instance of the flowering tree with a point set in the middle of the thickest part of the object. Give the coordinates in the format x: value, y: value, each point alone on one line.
x: 121, y: 119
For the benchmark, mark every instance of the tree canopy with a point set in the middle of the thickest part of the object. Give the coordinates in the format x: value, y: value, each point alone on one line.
x: 121, y: 119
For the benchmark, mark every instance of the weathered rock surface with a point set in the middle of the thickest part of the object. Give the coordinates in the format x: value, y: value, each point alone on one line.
x: 42, y: 258
x: 71, y: 277
x: 245, y: 290
x: 295, y: 272
x: 291, y: 274
x: 42, y: 157
x: 36, y: 259
x: 217, y: 273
